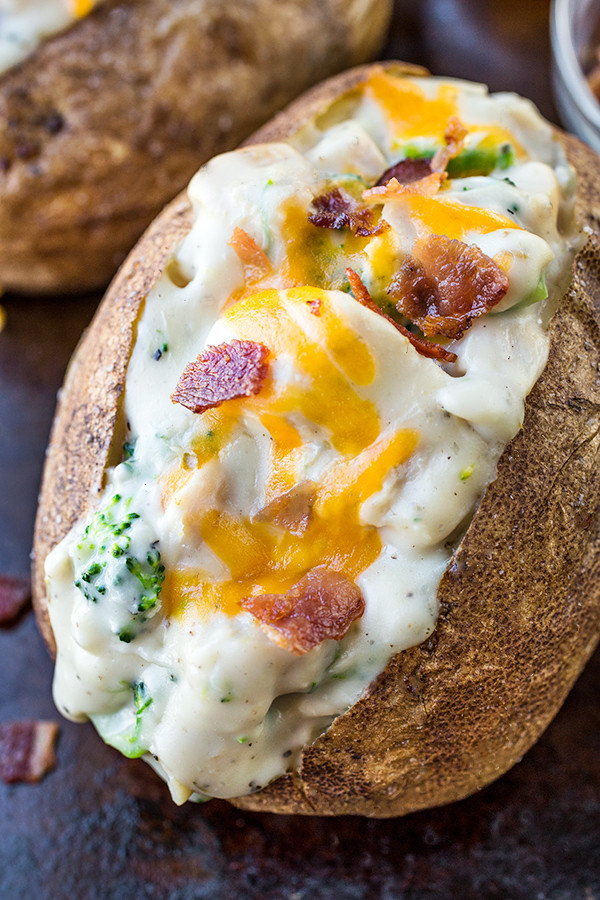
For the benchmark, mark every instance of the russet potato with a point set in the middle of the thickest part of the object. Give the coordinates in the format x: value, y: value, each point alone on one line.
x: 520, y: 602
x: 106, y: 121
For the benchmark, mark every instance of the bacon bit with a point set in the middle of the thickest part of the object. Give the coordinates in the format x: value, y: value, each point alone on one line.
x: 417, y: 171
x: 454, y: 136
x: 406, y: 171
x: 336, y: 209
x: 446, y: 285
x: 315, y: 305
x: 424, y: 187
x: 425, y: 348
x: 322, y: 605
x: 26, y: 750
x: 15, y: 593
x: 292, y: 510
x: 255, y: 261
x: 361, y: 293
x: 222, y: 372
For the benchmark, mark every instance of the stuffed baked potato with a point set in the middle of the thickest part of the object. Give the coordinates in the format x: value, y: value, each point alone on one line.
x: 108, y: 108
x: 400, y: 170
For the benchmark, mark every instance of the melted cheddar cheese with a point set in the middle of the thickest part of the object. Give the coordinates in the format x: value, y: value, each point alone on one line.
x: 412, y: 112
x: 336, y: 361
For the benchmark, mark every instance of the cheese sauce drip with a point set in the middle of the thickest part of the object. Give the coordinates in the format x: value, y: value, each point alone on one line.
x: 25, y: 23
x: 385, y: 452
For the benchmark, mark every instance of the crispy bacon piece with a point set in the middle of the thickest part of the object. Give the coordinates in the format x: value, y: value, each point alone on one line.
x: 315, y: 304
x: 454, y: 137
x: 406, y: 171
x: 26, y: 750
x: 292, y: 510
x: 14, y: 596
x: 222, y: 372
x: 425, y: 348
x: 427, y: 186
x: 322, y: 605
x: 255, y: 261
x: 410, y: 169
x: 446, y: 284
x: 336, y: 209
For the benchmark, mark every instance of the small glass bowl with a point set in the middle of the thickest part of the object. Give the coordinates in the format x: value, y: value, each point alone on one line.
x: 575, y: 36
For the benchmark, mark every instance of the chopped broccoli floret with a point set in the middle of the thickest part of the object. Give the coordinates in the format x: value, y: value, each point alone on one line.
x: 481, y: 161
x: 117, y: 563
x: 128, y: 449
x: 478, y: 160
x: 124, y: 729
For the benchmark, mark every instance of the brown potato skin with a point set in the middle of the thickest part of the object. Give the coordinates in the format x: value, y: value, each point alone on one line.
x: 520, y: 601
x: 107, y: 121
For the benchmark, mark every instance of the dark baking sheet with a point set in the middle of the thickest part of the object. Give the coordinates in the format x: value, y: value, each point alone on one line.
x: 100, y: 826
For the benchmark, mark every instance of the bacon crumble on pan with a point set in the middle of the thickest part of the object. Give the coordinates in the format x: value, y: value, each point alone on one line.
x: 425, y: 348
x: 26, y: 750
x: 15, y: 593
x: 445, y: 284
x: 255, y: 261
x: 222, y: 372
x: 291, y: 510
x: 337, y: 209
x: 322, y: 605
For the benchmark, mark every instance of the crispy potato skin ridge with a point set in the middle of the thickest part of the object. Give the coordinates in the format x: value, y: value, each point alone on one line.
x: 107, y: 121
x: 520, y: 601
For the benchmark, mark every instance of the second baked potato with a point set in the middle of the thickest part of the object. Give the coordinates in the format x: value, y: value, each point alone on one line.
x: 107, y: 120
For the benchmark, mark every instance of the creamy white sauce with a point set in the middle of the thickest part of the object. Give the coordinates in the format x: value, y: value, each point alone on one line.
x: 25, y: 23
x: 212, y: 702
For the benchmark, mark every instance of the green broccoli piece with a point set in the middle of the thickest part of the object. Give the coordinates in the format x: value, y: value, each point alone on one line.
x: 127, y: 736
x: 472, y: 161
x: 128, y: 449
x: 481, y: 161
x: 116, y: 562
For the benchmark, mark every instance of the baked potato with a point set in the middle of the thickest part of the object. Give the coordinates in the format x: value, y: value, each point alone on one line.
x: 107, y: 119
x: 490, y: 526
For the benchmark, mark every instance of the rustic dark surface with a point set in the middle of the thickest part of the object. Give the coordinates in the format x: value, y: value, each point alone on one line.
x: 103, y: 828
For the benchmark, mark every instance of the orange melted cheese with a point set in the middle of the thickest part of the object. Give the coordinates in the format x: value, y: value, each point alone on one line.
x: 412, y: 114
x: 80, y: 8
x: 331, y: 355
x: 300, y: 324
x: 332, y: 361
x: 438, y: 215
x: 315, y: 255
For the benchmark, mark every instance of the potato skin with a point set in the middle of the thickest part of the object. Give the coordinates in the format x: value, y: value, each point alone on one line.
x: 106, y: 122
x: 520, y: 601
